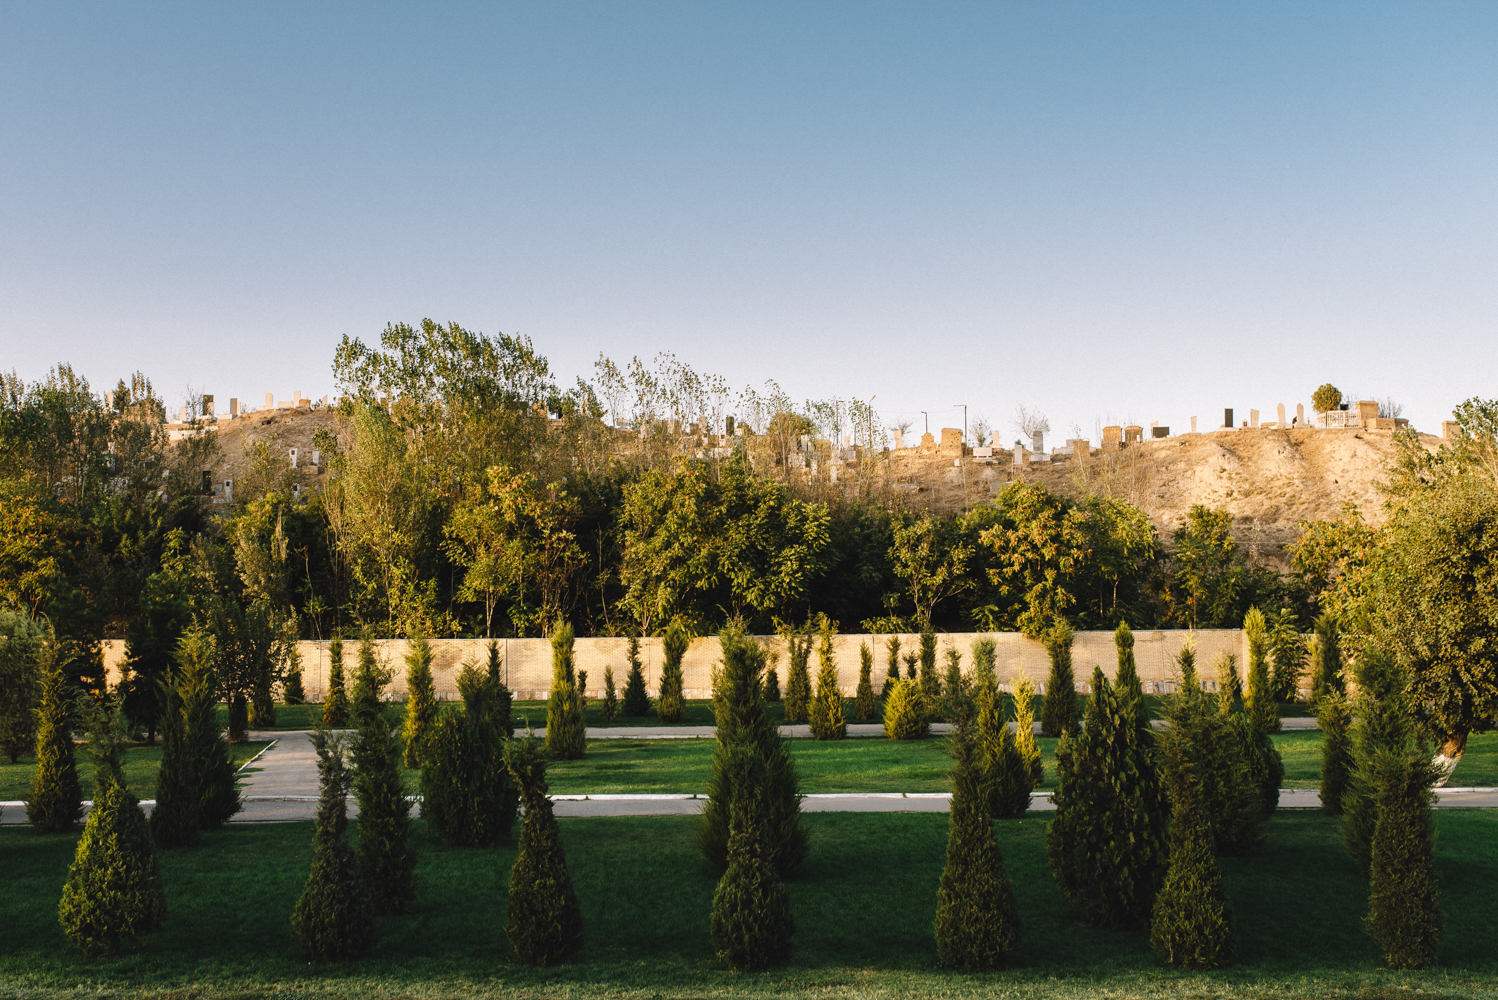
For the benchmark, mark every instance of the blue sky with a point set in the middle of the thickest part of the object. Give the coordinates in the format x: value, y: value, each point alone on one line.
x: 1109, y: 212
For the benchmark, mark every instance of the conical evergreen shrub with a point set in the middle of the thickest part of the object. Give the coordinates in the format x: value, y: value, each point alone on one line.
x: 863, y: 702
x: 217, y: 795
x: 636, y: 697
x: 500, y: 700
x: 369, y: 684
x: 671, y: 706
x: 421, y: 701
x: 1258, y: 702
x: 333, y: 920
x: 1229, y: 685
x: 772, y: 682
x: 905, y: 712
x: 1107, y: 844
x: 1060, y: 714
x: 1334, y: 719
x: 956, y: 689
x: 1126, y: 682
x: 911, y: 662
x: 1192, y: 927
x: 178, y: 815
x: 610, y: 696
x: 985, y: 655
x: 1404, y: 901
x: 1383, y: 725
x: 582, y: 692
x: 335, y: 705
x: 1024, y: 731
x: 1326, y: 659
x: 467, y: 796
x: 752, y: 924
x: 56, y: 800
x: 828, y: 715
x: 20, y: 650
x: 798, y: 678
x: 292, y: 692
x: 385, y: 856
x: 1006, y: 773
x: 892, y: 665
x: 742, y: 722
x: 930, y: 680
x: 543, y: 920
x: 977, y: 922
x: 113, y: 894
x: 566, y: 731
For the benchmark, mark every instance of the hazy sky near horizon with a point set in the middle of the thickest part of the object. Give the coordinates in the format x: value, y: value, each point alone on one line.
x: 1107, y: 211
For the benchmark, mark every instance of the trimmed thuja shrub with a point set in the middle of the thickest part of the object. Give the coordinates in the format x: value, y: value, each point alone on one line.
x: 1024, y: 730
x: 1224, y: 762
x: 20, y: 650
x: 335, y: 705
x: 113, y: 894
x: 1107, y: 843
x: 582, y: 691
x: 772, y: 681
x: 467, y: 797
x: 636, y: 697
x: 543, y: 920
x: 798, y: 678
x: 421, y: 701
x: 892, y: 665
x: 292, y: 691
x: 905, y: 712
x: 1384, y: 726
x: 752, y: 924
x: 863, y: 701
x: 977, y: 923
x: 1258, y: 702
x: 1229, y: 687
x: 566, y: 732
x: 1006, y: 774
x: 671, y: 706
x: 829, y: 720
x: 1334, y: 719
x: 369, y: 683
x: 1192, y: 927
x: 985, y: 654
x: 742, y: 724
x: 1326, y: 659
x: 501, y: 702
x: 930, y: 679
x: 333, y: 920
x: 956, y: 689
x: 1060, y: 714
x: 56, y: 800
x: 1404, y: 911
x: 385, y: 856
x: 610, y: 696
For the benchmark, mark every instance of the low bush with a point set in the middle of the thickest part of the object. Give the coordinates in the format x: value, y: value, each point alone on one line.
x: 905, y: 712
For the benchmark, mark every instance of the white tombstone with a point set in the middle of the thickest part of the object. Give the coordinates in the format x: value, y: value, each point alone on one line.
x: 899, y: 439
x: 1253, y: 418
x: 1280, y: 412
x: 1193, y: 425
x: 270, y: 401
x: 317, y: 458
x: 229, y: 489
x: 1019, y: 455
x: 181, y: 414
x: 806, y: 442
x: 233, y: 406
x: 293, y: 458
x: 1300, y: 413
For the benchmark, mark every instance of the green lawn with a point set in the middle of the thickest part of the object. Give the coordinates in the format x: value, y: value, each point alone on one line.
x: 141, y: 765
x: 877, y: 765
x: 863, y: 901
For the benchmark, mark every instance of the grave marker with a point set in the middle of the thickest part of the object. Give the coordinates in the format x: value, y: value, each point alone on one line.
x: 1281, y: 413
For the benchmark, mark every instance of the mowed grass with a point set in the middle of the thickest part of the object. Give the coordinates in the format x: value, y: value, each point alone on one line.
x: 142, y: 763
x: 864, y: 902
x: 684, y: 766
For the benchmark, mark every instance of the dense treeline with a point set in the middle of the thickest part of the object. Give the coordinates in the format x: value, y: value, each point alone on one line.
x: 470, y: 494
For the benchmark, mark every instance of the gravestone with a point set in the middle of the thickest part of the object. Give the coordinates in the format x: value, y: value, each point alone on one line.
x: 1160, y: 432
x: 1037, y: 441
x: 233, y: 406
x: 1133, y: 434
x: 1300, y: 413
x: 1367, y: 412
x: 1227, y: 418
x: 1281, y: 413
x: 899, y: 439
x: 1080, y: 447
x: 983, y: 452
x: 181, y: 414
x: 951, y: 441
x: 728, y: 426
x: 1112, y: 437
x: 928, y: 442
x: 1193, y: 425
x: 1020, y: 456
x: 317, y: 458
x: 229, y: 490
x: 293, y: 458
x: 1253, y: 418
x: 806, y: 442
x: 208, y: 407
x: 270, y: 401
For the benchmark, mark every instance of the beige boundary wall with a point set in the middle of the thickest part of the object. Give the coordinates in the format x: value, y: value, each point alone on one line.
x: 527, y: 662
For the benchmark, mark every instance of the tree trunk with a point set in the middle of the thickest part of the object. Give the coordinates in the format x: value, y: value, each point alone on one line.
x: 1453, y: 745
